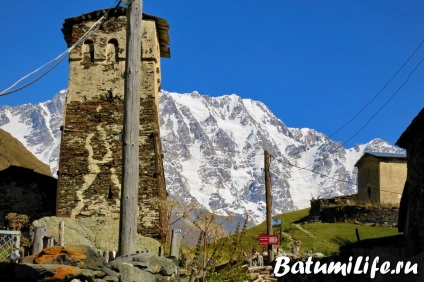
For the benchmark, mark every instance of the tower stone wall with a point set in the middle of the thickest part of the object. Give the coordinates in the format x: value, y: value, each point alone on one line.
x: 89, y: 183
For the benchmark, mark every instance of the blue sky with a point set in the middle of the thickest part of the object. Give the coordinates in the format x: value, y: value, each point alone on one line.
x: 313, y: 63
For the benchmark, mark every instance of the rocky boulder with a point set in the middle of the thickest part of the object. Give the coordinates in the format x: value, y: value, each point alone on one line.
x: 80, y: 256
x: 82, y: 264
x: 146, y: 261
x: 46, y: 272
x: 100, y: 233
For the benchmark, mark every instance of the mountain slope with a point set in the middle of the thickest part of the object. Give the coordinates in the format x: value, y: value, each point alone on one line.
x: 214, y: 155
x: 213, y: 150
x: 12, y: 152
x: 37, y: 127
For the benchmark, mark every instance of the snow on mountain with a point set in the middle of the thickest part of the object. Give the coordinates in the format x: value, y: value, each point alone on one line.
x: 37, y: 127
x: 214, y: 147
x: 213, y: 150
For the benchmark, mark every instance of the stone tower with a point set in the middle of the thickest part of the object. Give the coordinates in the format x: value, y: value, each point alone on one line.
x: 89, y: 181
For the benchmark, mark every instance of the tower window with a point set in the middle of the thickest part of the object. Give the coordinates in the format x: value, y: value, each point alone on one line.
x: 112, y: 51
x: 88, y: 51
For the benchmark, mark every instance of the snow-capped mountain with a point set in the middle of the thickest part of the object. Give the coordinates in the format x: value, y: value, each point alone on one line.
x: 37, y: 127
x: 213, y: 150
x: 214, y: 154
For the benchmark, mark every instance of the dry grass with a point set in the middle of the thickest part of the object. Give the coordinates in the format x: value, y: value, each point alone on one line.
x: 13, y: 152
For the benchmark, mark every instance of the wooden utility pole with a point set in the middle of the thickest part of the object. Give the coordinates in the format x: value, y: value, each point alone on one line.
x: 268, y: 198
x: 130, y: 142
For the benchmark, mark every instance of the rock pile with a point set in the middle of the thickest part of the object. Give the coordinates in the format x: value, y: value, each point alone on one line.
x: 99, y: 233
x: 84, y: 264
x: 261, y: 273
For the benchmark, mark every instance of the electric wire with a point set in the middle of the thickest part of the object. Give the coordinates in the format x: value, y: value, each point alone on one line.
x: 378, y: 94
x: 331, y: 151
x: 59, y: 58
x: 372, y: 100
x: 198, y: 146
x: 330, y: 177
x: 97, y: 25
x: 5, y: 92
x: 301, y: 168
x: 385, y: 104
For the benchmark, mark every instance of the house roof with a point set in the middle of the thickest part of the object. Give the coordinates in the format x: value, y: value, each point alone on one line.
x: 382, y: 156
x: 162, y: 26
x: 414, y: 132
x: 387, y: 155
x: 25, y: 175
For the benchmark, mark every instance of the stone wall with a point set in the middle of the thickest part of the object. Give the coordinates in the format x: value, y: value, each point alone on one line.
x: 381, y: 179
x: 345, y: 209
x: 412, y: 203
x: 91, y: 149
x: 387, y: 216
x: 317, y: 205
x: 392, y: 181
x: 415, y: 226
x: 26, y: 192
x: 369, y: 180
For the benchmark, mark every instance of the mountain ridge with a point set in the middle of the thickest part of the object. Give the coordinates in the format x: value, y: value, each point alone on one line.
x: 213, y: 152
x: 193, y: 126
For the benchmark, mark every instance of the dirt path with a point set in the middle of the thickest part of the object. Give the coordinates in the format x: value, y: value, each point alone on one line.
x: 288, y: 236
x: 304, y: 230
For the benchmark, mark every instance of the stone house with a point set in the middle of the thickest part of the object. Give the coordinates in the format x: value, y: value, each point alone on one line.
x: 412, y: 204
x: 89, y: 182
x: 410, y: 245
x: 25, y: 191
x: 381, y: 177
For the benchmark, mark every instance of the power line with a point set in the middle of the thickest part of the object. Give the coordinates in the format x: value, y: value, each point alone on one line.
x: 387, y: 102
x: 328, y: 176
x: 376, y: 113
x: 378, y: 94
x: 200, y: 145
x: 200, y: 160
x: 305, y: 168
x: 59, y: 58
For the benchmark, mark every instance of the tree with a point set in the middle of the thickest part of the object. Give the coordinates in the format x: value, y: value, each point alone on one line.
x: 209, y: 226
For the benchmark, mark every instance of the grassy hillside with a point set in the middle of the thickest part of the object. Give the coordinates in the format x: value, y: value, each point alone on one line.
x: 325, y: 238
x: 13, y: 152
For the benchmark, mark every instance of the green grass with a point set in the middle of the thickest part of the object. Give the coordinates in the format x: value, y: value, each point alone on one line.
x: 330, y: 236
x: 327, y: 239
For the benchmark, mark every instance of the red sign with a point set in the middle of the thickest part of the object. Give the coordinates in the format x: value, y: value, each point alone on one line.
x: 265, y: 239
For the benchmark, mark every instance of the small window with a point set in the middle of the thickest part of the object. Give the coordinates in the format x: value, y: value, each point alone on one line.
x: 88, y: 51
x: 112, y: 51
x: 110, y: 194
x: 369, y: 192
